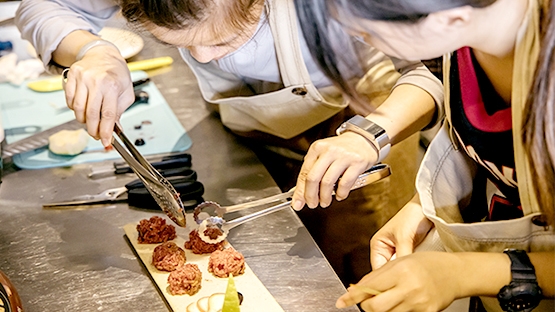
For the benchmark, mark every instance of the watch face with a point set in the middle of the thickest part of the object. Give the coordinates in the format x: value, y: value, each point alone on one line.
x: 518, y: 297
x: 523, y: 303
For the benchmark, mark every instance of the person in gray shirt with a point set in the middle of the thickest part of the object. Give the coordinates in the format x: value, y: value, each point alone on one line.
x: 252, y: 62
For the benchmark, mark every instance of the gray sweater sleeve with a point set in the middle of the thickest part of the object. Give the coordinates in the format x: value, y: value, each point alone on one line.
x: 46, y: 22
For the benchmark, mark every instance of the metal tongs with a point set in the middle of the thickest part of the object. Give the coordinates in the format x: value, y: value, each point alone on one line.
x: 159, y: 187
x: 206, y: 221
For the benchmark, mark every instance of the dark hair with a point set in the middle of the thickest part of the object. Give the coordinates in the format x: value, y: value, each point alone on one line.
x: 314, y: 16
x: 181, y: 14
x: 402, y: 10
x: 539, y: 118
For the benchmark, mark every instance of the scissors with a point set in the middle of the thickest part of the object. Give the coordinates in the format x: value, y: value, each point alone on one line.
x: 172, y: 161
x: 186, y: 185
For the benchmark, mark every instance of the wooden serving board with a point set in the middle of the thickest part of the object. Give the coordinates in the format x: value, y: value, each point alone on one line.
x: 256, y: 297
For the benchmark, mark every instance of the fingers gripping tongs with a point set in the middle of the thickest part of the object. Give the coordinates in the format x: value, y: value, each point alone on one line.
x: 206, y: 220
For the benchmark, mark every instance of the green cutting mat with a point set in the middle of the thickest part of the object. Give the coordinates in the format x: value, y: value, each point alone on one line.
x: 24, y: 110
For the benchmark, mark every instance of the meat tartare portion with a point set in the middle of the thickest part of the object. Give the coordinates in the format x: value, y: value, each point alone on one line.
x: 155, y: 230
x: 185, y: 280
x: 225, y: 262
x: 198, y: 246
x: 168, y: 257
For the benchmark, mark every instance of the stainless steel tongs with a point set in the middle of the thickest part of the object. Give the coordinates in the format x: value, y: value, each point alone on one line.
x: 210, y: 208
x: 159, y: 187
x: 374, y: 174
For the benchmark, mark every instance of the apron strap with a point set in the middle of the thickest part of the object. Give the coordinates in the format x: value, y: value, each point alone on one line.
x: 447, y: 97
x: 283, y: 23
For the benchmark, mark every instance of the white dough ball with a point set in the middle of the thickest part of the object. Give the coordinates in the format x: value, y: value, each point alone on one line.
x: 68, y: 142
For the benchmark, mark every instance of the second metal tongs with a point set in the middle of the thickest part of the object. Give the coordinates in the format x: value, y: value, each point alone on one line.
x: 159, y: 187
x: 374, y: 174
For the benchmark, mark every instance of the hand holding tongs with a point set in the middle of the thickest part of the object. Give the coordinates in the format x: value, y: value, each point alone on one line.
x: 159, y: 187
x: 210, y: 208
x: 374, y: 174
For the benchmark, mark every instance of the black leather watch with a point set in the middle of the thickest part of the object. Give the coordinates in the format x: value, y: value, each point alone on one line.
x: 523, y: 293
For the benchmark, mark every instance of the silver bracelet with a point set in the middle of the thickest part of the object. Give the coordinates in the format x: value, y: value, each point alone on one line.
x: 92, y: 44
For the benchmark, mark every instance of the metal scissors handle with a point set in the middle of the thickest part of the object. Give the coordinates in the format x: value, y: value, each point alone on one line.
x: 109, y: 195
x: 137, y: 194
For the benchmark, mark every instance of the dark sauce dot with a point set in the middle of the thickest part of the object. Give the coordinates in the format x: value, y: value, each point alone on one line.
x: 138, y: 127
x: 140, y: 142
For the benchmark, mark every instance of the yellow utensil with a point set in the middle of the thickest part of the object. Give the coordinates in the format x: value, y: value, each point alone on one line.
x: 55, y: 83
x: 150, y: 63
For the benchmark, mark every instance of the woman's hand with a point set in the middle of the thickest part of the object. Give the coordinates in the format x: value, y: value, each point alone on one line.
x: 424, y: 281
x: 98, y: 90
x: 345, y: 156
x: 399, y: 235
x: 407, y: 110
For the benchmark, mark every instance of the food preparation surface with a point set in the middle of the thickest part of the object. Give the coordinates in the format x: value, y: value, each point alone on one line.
x: 25, y: 112
x: 256, y: 297
x: 77, y: 260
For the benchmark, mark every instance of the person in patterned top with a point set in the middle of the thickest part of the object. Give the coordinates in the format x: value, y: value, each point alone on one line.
x: 487, y: 180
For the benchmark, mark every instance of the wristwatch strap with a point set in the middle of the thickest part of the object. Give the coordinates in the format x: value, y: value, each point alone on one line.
x: 522, y: 269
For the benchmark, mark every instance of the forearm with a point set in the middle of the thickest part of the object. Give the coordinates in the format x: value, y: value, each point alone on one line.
x: 474, y: 268
x: 481, y: 273
x: 45, y: 23
x: 544, y: 264
x: 407, y: 110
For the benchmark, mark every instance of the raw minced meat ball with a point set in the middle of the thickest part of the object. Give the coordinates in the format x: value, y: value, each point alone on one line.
x: 198, y: 246
x: 185, y: 280
x: 155, y: 230
x: 168, y: 257
x: 225, y: 262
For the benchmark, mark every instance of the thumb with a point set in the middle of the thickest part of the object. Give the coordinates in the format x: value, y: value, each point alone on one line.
x: 404, y: 248
x: 298, y: 199
x: 377, y: 260
x: 381, y: 252
x: 298, y: 202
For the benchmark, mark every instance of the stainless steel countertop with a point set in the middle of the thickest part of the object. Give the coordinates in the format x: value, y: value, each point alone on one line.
x: 77, y: 260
